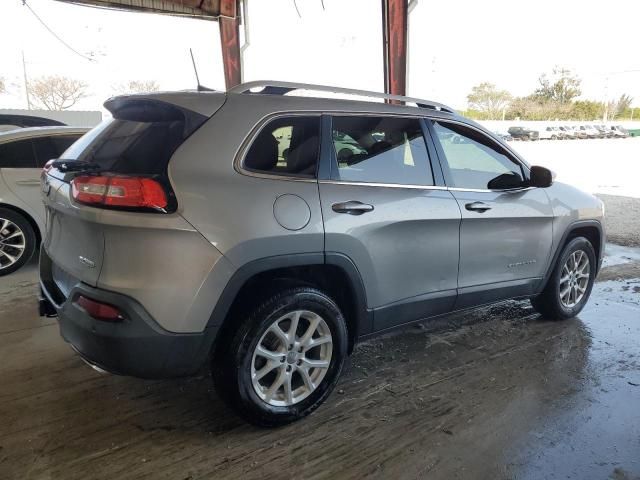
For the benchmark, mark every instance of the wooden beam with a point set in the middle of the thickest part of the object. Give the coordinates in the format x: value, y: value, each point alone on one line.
x: 230, y: 42
x: 394, y: 33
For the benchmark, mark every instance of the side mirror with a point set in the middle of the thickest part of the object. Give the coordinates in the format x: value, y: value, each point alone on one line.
x: 505, y: 181
x: 540, y: 177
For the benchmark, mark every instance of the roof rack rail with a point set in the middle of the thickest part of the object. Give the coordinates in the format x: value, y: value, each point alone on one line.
x: 281, y: 88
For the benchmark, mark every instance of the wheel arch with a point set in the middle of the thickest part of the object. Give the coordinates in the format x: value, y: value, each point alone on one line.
x: 28, y: 218
x: 332, y: 273
x: 592, y: 230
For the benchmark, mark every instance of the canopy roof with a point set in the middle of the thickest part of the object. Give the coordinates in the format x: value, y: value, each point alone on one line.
x: 206, y: 9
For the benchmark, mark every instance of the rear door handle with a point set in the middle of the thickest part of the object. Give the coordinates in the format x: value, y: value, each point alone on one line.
x: 352, y: 207
x: 479, y: 207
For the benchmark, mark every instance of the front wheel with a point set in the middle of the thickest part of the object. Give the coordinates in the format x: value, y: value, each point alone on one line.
x: 284, y: 359
x: 571, y: 281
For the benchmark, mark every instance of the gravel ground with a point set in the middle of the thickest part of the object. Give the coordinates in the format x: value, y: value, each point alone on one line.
x: 622, y: 218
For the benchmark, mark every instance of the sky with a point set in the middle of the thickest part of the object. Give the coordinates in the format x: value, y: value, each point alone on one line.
x: 453, y: 45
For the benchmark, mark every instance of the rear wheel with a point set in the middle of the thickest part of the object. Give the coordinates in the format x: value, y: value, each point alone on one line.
x: 570, y: 284
x: 284, y: 359
x: 17, y: 241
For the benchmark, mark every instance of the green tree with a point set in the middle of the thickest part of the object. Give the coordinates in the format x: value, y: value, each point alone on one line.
x: 3, y: 87
x: 618, y: 107
x: 488, y: 100
x: 587, y: 110
x: 561, y: 86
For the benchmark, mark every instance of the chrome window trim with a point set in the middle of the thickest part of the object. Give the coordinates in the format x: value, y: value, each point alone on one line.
x: 480, y: 190
x: 508, y: 149
x: 384, y: 185
x: 238, y: 162
x: 422, y: 187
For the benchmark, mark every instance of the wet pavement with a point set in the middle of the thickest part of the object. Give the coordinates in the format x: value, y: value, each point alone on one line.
x: 496, y: 393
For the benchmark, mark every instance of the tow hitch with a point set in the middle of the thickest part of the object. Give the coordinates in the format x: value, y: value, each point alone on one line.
x: 45, y: 307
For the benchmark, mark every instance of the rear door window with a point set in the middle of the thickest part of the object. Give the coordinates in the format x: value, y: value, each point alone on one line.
x: 381, y: 150
x: 18, y: 154
x: 286, y: 146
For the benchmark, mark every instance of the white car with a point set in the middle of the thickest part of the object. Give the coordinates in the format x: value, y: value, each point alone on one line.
x: 550, y: 133
x: 619, y: 131
x: 590, y: 131
x: 23, y: 153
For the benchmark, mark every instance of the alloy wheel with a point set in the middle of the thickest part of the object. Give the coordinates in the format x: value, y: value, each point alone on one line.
x: 291, y: 358
x: 12, y: 243
x: 574, y: 279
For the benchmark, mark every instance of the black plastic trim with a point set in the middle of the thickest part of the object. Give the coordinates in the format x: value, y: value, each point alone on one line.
x: 413, y: 309
x: 572, y: 227
x: 479, y: 295
x: 364, y: 320
x: 136, y: 346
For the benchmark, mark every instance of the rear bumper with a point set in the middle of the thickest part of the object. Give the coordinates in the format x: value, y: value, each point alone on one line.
x: 136, y: 346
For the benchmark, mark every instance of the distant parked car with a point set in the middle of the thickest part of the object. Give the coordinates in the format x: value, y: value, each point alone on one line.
x: 606, y: 132
x: 622, y: 130
x: 548, y: 133
x: 11, y: 122
x: 521, y: 133
x: 619, y: 131
x: 503, y: 136
x: 568, y: 132
x: 559, y: 133
x: 582, y: 134
x: 23, y: 153
x: 590, y: 131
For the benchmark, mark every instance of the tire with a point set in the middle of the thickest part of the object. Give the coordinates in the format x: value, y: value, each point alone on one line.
x: 550, y: 303
x: 553, y: 137
x: 17, y: 241
x: 236, y: 359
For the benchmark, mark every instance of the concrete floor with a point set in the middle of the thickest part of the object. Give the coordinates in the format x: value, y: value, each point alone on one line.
x: 498, y: 393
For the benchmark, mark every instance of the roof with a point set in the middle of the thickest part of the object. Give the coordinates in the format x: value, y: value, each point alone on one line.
x: 276, y: 95
x: 35, y: 132
x: 206, y: 9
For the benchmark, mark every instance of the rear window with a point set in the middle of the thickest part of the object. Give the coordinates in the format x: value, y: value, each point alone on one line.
x: 139, y: 139
x: 286, y: 146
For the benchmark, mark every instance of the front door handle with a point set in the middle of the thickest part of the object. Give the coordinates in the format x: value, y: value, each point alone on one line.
x: 352, y: 207
x: 479, y: 207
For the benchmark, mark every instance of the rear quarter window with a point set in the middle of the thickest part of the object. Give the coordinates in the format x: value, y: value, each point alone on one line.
x: 286, y: 146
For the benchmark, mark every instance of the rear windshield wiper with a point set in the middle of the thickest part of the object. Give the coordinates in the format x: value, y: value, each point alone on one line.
x: 75, y: 166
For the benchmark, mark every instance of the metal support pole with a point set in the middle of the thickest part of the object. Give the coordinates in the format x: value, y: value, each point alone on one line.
x: 394, y: 33
x: 230, y: 42
x: 26, y: 82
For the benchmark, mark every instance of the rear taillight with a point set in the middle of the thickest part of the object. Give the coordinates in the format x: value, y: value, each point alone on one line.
x: 99, y: 310
x: 119, y: 191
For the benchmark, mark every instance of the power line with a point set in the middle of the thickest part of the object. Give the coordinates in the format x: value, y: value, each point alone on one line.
x: 24, y: 2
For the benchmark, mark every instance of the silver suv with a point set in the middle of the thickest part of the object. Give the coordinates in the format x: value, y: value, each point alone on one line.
x: 23, y: 153
x: 264, y: 234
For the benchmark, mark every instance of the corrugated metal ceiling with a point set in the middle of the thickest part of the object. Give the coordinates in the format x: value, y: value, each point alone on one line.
x: 207, y: 9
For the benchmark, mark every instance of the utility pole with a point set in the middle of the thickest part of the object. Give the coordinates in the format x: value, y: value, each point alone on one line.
x: 26, y: 83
